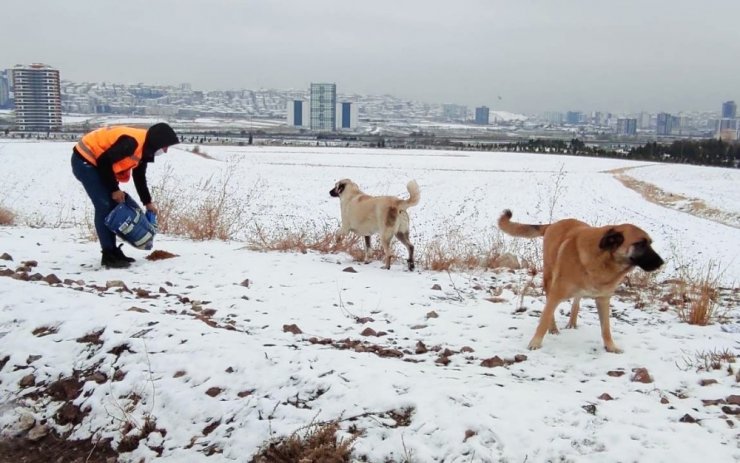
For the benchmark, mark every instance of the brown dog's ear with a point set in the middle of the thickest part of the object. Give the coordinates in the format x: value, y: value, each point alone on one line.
x: 611, y: 240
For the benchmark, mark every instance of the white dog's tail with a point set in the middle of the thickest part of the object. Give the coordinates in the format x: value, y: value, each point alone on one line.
x: 414, y: 196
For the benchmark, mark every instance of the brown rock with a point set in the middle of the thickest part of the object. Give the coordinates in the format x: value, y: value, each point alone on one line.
x: 733, y: 399
x: 246, y: 283
x: 710, y: 402
x: 615, y: 373
x: 707, y: 382
x: 468, y: 434
x: 731, y: 411
x: 466, y: 349
x: 292, y: 329
x: 52, y: 279
x: 687, y: 419
x: 179, y: 373
x: 368, y: 332
x: 38, y: 432
x: 214, y: 391
x: 664, y: 400
x: 432, y: 314
x: 6, y: 256
x: 520, y: 358
x: 349, y: 270
x: 27, y: 381
x: 436, y: 287
x: 30, y: 263
x: 641, y: 375
x: 421, y: 348
x: 606, y: 396
x: 492, y: 362
x: 246, y: 393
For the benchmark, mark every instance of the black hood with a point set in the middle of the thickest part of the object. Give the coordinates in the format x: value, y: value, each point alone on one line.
x: 158, y: 136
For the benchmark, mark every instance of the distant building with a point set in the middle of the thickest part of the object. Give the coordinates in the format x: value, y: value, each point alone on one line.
x: 347, y: 116
x: 298, y: 113
x: 643, y: 120
x: 555, y: 118
x: 666, y: 124
x: 5, y: 101
x: 454, y: 112
x: 323, y: 107
x: 626, y: 126
x: 727, y: 126
x: 574, y: 117
x: 482, y: 115
x: 729, y: 110
x: 38, y: 101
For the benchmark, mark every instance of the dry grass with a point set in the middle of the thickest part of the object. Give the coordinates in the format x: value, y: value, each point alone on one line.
x: 212, y: 213
x: 308, y: 237
x: 695, y: 295
x: 707, y: 360
x: 7, y: 217
x: 318, y: 444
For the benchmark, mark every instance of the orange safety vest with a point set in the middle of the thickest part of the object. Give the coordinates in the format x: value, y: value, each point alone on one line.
x: 95, y: 143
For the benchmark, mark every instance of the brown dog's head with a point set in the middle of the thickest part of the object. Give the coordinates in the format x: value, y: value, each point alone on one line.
x: 631, y: 246
x: 343, y: 185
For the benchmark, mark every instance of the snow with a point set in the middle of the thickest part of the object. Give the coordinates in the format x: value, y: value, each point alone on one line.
x: 527, y: 411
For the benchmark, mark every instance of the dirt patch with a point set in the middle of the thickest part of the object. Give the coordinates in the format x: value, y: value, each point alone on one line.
x: 52, y: 448
x: 693, y: 206
x: 160, y: 255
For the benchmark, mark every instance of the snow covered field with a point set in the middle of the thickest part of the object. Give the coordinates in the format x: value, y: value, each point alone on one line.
x: 199, y: 343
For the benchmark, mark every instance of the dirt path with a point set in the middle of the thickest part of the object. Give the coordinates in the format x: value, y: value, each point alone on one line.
x: 693, y: 206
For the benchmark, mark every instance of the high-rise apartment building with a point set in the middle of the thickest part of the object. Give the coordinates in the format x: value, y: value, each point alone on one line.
x: 323, y: 107
x: 729, y: 110
x: 482, y: 115
x: 574, y: 117
x: 4, y: 90
x: 626, y: 126
x: 666, y: 124
x: 346, y: 115
x: 298, y: 113
x: 38, y: 101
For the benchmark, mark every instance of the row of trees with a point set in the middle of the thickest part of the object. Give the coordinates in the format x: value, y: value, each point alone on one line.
x: 708, y: 152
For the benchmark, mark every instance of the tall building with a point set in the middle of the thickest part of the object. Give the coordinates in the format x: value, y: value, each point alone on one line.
x: 626, y: 126
x: 727, y: 126
x: 454, y: 112
x: 298, y: 113
x: 482, y: 115
x: 38, y: 101
x: 554, y: 117
x: 347, y: 115
x: 729, y: 110
x: 666, y: 124
x: 5, y: 102
x: 323, y: 107
x: 574, y: 117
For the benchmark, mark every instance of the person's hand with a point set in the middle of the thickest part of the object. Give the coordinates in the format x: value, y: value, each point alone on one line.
x: 118, y: 196
x: 152, y: 207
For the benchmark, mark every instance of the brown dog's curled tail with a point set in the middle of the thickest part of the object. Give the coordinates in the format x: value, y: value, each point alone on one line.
x: 414, y: 196
x: 520, y: 229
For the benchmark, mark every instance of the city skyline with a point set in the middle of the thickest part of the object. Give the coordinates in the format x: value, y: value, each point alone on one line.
x: 529, y: 57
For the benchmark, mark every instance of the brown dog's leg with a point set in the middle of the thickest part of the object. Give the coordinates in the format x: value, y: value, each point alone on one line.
x: 547, y: 319
x: 602, y: 304
x: 403, y: 237
x: 367, y: 249
x: 573, y: 320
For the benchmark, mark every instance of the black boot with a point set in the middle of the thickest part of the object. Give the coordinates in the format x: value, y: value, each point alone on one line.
x: 111, y: 259
x: 119, y: 252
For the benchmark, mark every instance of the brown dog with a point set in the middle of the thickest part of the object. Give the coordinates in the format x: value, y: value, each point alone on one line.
x: 584, y: 261
x: 367, y: 215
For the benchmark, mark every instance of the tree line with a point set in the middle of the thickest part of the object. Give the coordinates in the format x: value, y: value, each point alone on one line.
x: 708, y: 152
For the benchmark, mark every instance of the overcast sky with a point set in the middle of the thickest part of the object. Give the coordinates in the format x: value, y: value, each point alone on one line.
x: 525, y: 56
